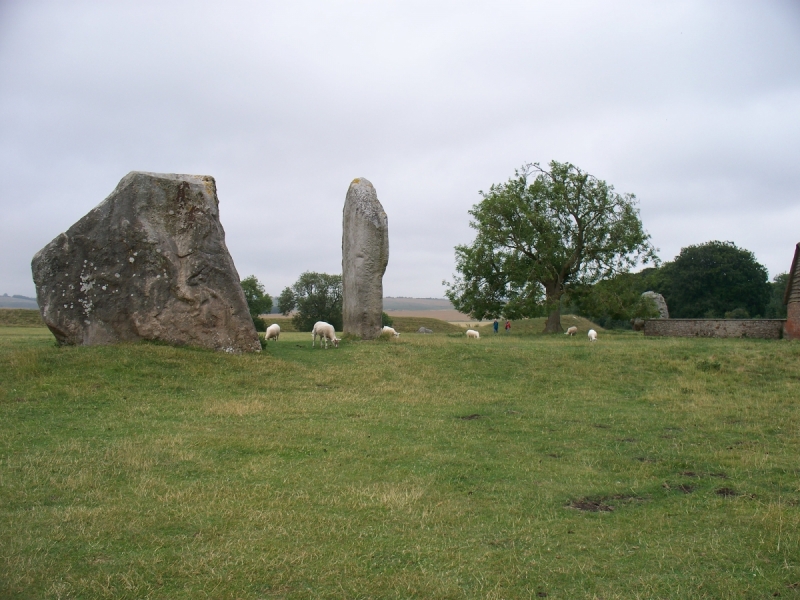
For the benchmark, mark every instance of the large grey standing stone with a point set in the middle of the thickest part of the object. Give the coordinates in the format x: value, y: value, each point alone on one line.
x: 149, y: 262
x: 365, y: 254
x: 661, y: 304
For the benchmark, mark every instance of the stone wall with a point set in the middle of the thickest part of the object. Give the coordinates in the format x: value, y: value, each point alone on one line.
x: 727, y: 328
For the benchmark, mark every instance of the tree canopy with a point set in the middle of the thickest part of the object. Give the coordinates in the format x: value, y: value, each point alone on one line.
x: 315, y: 297
x: 712, y: 279
x: 776, y: 309
x: 540, y: 234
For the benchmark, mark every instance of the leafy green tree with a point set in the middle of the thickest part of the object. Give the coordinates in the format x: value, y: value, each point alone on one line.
x: 776, y: 309
x: 711, y: 279
x: 258, y: 301
x: 386, y: 320
x: 315, y: 297
x: 541, y: 234
x: 286, y: 301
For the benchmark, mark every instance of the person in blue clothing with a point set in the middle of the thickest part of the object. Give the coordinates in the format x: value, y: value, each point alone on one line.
x: 496, y: 326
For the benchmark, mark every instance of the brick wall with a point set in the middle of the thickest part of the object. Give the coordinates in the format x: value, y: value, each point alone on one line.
x: 792, y: 329
x: 739, y: 328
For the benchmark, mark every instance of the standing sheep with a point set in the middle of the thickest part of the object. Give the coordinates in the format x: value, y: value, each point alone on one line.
x: 592, y: 335
x: 572, y: 331
x: 471, y: 333
x: 273, y: 332
x: 325, y: 332
x: 387, y: 329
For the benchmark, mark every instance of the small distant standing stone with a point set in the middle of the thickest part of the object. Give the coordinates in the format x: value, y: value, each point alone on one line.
x: 661, y: 304
x: 148, y: 263
x: 424, y: 330
x: 365, y: 254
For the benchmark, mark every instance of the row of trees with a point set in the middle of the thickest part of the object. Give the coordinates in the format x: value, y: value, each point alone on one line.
x: 711, y: 280
x: 313, y: 297
x: 559, y: 236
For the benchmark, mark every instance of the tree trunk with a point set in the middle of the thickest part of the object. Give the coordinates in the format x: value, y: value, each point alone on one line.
x: 553, y: 292
x: 553, y: 324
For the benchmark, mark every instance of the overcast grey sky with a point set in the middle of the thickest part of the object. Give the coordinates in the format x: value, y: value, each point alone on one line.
x: 692, y: 106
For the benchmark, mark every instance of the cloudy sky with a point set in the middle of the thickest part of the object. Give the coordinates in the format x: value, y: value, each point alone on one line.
x: 692, y: 106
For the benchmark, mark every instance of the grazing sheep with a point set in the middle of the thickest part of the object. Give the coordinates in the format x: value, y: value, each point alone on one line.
x: 325, y: 332
x: 273, y: 331
x: 387, y: 329
x: 592, y: 335
x: 572, y: 330
x: 471, y: 333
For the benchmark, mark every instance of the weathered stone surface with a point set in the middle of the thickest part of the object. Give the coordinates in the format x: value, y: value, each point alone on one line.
x: 365, y: 254
x: 638, y: 324
x: 661, y: 304
x: 424, y: 330
x: 149, y: 262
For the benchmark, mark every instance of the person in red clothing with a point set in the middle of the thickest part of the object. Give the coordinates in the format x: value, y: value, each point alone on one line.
x: 508, y: 326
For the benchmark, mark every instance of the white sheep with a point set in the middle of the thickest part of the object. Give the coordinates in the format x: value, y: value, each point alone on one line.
x: 572, y: 330
x: 592, y: 335
x: 325, y: 332
x: 471, y: 333
x: 387, y: 329
x: 273, y: 332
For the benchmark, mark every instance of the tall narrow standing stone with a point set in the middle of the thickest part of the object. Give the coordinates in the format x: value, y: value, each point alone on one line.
x: 365, y: 254
x: 149, y: 262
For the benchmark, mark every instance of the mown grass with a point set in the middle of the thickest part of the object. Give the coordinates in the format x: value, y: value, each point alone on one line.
x: 419, y: 467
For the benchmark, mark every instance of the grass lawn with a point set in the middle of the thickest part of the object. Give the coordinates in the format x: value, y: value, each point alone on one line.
x: 429, y: 466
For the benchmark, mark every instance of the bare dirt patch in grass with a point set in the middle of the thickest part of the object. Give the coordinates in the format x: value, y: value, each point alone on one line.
x: 681, y: 487
x: 590, y: 505
x: 603, y: 503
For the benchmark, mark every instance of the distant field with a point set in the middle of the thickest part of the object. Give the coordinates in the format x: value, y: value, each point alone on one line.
x: 442, y: 315
x: 416, y: 304
x: 424, y: 466
x: 18, y: 302
x: 432, y: 308
x: 20, y: 317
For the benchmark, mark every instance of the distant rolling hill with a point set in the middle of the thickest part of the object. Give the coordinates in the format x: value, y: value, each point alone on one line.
x: 391, y: 303
x: 434, y: 308
x: 16, y: 301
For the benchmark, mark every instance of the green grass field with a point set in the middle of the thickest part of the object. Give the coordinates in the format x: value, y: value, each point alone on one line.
x: 519, y: 466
